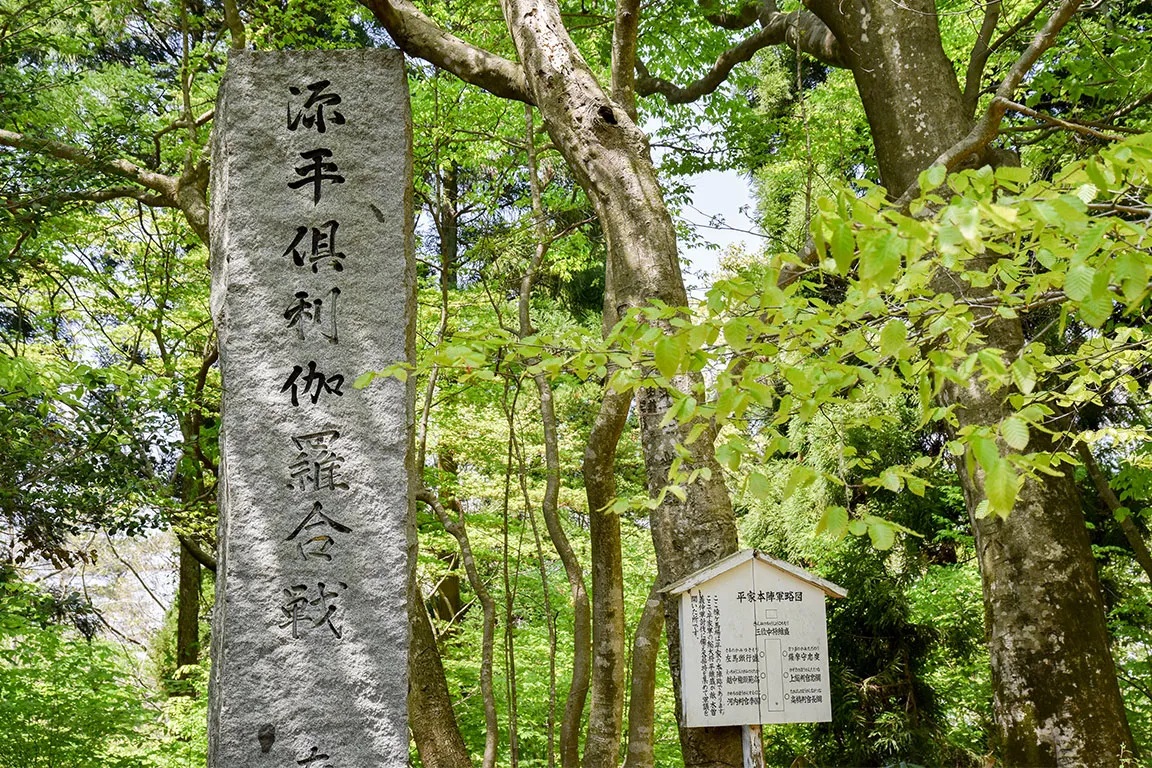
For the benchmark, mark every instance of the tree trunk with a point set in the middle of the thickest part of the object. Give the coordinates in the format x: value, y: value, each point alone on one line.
x: 1108, y: 496
x: 433, y: 723
x: 448, y: 225
x: 188, y: 610
x: 606, y: 717
x: 1056, y: 697
x: 642, y: 697
x: 549, y: 505
x: 609, y: 157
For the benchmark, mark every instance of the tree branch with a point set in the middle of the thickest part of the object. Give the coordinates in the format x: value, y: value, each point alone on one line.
x: 197, y: 553
x: 979, y: 58
x: 235, y: 24
x: 988, y: 128
x: 799, y: 30
x: 747, y: 15
x: 1024, y: 21
x: 160, y: 183
x: 420, y: 36
x: 1129, y: 108
x: 1108, y: 496
x: 624, y: 35
x: 1055, y: 121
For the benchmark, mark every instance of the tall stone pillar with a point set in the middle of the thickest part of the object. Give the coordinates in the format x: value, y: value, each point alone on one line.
x: 313, y: 284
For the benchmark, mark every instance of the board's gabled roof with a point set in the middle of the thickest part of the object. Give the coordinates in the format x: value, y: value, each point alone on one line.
x: 710, y: 572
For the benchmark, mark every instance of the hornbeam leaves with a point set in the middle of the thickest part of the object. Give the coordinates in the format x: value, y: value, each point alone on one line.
x: 778, y: 355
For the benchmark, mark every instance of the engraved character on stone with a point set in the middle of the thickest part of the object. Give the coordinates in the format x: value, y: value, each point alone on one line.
x: 312, y: 113
x: 316, y: 172
x: 316, y: 545
x: 312, y: 757
x: 323, y: 246
x: 308, y: 312
x: 317, y: 466
x: 304, y: 614
x: 314, y: 381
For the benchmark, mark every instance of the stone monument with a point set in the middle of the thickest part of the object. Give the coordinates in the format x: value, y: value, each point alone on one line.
x: 313, y: 284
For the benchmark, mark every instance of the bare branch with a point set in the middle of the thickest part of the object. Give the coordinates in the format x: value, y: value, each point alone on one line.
x: 157, y: 182
x: 979, y: 58
x: 420, y: 36
x: 747, y: 15
x: 1024, y: 21
x: 1108, y: 496
x: 1132, y: 107
x: 197, y: 553
x: 624, y: 55
x: 800, y: 30
x: 119, y: 193
x: 1077, y: 127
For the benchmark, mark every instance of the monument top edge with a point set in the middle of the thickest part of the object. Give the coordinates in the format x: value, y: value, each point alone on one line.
x: 259, y: 57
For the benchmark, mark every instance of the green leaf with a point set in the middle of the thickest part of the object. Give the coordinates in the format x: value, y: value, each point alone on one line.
x: 843, y: 247
x: 736, y: 333
x: 1122, y: 514
x: 1132, y: 274
x: 933, y: 178
x: 1087, y: 192
x: 1096, y: 311
x: 1078, y: 282
x: 880, y: 259
x: 800, y: 477
x: 882, y: 534
x: 834, y: 522
x: 1001, y: 486
x: 1023, y: 376
x: 759, y: 486
x: 893, y: 336
x: 668, y: 354
x: 857, y: 527
x: 364, y: 380
x: 1015, y: 432
x: 890, y: 480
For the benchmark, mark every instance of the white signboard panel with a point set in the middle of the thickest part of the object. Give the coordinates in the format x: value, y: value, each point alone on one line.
x: 754, y: 649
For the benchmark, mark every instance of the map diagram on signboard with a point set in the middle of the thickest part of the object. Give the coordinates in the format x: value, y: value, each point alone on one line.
x: 754, y: 642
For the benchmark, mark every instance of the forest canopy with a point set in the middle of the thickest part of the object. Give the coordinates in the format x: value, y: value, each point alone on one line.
x: 925, y: 381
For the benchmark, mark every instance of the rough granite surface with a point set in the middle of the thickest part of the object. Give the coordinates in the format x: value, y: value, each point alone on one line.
x: 310, y: 630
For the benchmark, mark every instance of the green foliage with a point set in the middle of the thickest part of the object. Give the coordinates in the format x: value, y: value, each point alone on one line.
x: 890, y: 652
x: 65, y: 701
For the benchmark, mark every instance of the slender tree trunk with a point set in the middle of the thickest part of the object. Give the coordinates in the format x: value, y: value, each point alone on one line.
x: 448, y: 223
x: 188, y: 610
x: 642, y: 697
x: 1057, y: 701
x: 446, y: 603
x: 610, y: 158
x: 431, y: 718
x: 459, y: 531
x: 606, y: 718
x: 549, y: 506
x: 1131, y: 532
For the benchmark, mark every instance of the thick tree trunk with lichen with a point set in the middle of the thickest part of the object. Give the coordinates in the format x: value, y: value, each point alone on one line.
x: 1056, y: 695
x: 1057, y: 701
